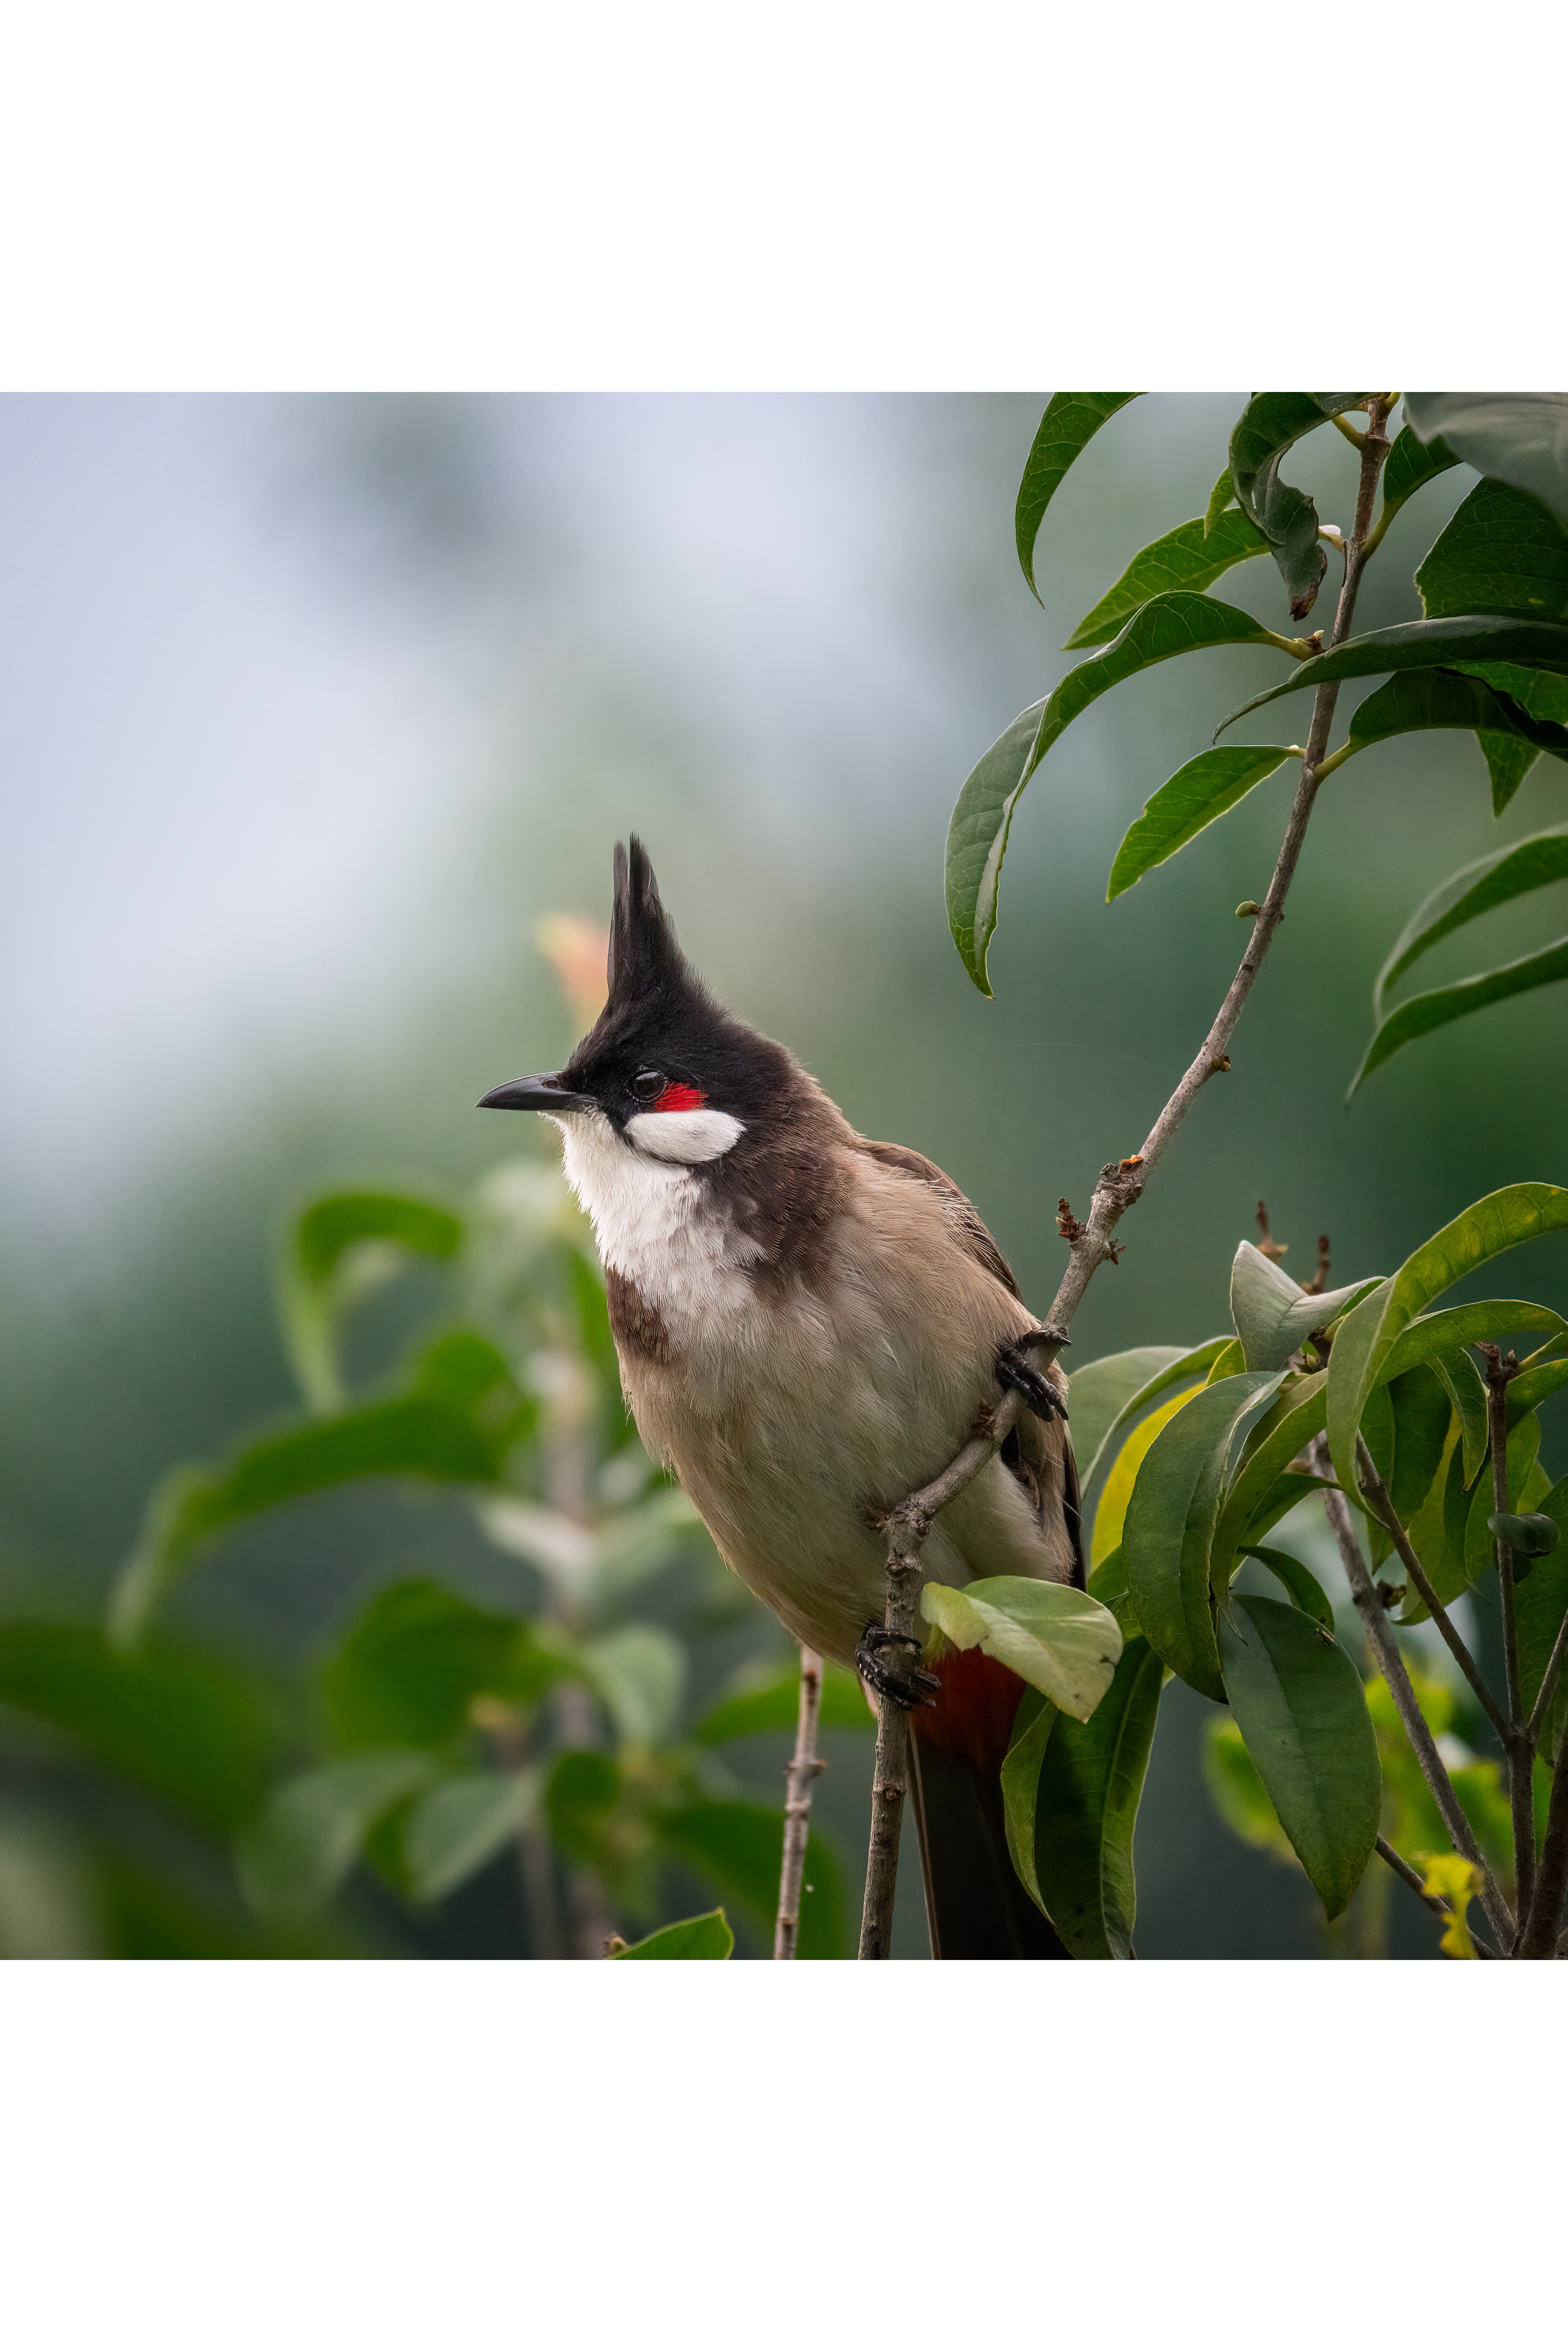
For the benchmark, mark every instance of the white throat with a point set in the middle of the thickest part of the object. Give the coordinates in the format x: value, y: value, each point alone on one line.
x: 650, y: 1218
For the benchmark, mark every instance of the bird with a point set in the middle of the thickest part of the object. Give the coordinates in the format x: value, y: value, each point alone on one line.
x: 810, y: 1325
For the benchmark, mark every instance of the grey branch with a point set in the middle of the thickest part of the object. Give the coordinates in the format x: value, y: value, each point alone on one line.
x: 802, y: 1770
x: 1500, y: 1370
x: 1382, y: 1503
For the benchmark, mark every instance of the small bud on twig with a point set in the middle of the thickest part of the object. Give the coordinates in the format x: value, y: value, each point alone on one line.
x: 1267, y: 1247
x: 1249, y: 907
x: 1067, y: 1223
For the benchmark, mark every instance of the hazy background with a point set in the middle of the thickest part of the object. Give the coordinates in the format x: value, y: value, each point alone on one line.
x: 310, y: 708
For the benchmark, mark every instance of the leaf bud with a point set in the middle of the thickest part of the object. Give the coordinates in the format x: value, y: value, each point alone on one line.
x: 1529, y: 1532
x: 1249, y: 907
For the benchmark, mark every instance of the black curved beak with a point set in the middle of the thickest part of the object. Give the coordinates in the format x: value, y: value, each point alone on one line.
x: 548, y: 1092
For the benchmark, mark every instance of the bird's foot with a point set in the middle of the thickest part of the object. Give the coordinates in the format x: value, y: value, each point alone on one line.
x: 906, y: 1686
x: 1013, y: 1370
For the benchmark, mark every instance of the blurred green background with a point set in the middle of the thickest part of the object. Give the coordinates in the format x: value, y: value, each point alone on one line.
x: 315, y: 707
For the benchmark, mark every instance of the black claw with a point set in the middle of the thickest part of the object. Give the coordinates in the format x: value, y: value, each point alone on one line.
x: 1013, y: 1370
x: 908, y: 1686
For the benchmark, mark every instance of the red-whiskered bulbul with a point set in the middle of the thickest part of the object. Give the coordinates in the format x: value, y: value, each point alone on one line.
x: 810, y: 1326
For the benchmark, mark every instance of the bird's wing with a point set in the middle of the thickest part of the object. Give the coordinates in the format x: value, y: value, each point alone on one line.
x: 967, y: 1218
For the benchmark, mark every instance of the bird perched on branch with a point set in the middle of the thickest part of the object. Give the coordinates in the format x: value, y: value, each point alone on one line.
x: 810, y: 1326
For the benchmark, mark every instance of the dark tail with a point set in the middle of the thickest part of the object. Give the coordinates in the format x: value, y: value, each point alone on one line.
x: 976, y: 1908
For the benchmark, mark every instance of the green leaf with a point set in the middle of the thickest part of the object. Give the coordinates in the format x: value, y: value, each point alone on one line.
x: 1298, y: 1581
x: 769, y: 1700
x: 1487, y: 882
x: 1423, y: 1411
x: 1467, y: 1396
x: 342, y: 1247
x: 1500, y: 553
x: 1069, y: 424
x: 1533, y: 1387
x: 1424, y: 644
x: 1194, y: 796
x: 1268, y: 427
x: 1062, y: 1642
x: 1176, y: 623
x: 1288, y: 1427
x: 408, y: 1670
x: 1240, y: 1798
x: 1502, y: 1221
x: 741, y: 1848
x: 639, y: 1673
x: 1416, y: 699
x: 1298, y: 1704
x: 453, y: 1832
x: 1410, y: 464
x: 1437, y: 1008
x: 1221, y: 496
x: 439, y: 1437
x: 1508, y: 761
x: 1452, y: 1328
x: 308, y: 1838
x: 1518, y: 437
x: 580, y: 1796
x: 1128, y: 1384
x: 1274, y: 1317
x: 1541, y: 1603
x: 1073, y: 1790
x: 1193, y: 555
x: 1171, y: 1522
x: 707, y: 1937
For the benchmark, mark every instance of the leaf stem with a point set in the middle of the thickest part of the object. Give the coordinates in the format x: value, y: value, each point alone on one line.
x: 1382, y: 1505
x: 801, y: 1772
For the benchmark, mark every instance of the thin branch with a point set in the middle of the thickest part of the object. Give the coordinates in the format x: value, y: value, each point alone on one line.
x: 802, y: 1770
x: 1438, y: 1903
x: 1500, y: 1370
x: 1548, y: 1684
x: 1385, y: 1650
x: 1382, y: 1503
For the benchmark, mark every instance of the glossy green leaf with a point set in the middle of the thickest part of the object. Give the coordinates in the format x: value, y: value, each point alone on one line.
x: 1411, y: 464
x: 1194, y: 555
x: 302, y: 1846
x: 1134, y: 1383
x: 1221, y: 496
x: 1298, y: 1702
x: 1541, y: 1603
x: 1306, y: 1594
x: 408, y: 1669
x: 1191, y: 800
x: 449, y: 1435
x: 1272, y: 423
x: 1500, y: 553
x: 1451, y: 1327
x: 458, y: 1829
x: 1069, y: 424
x: 770, y: 1701
x: 1284, y: 1432
x: 1062, y: 1642
x: 1274, y: 1317
x: 343, y: 1248
x: 1534, y: 1386
x: 1502, y: 1221
x: 741, y: 1848
x: 1475, y: 890
x: 1177, y: 623
x: 1518, y: 437
x: 707, y: 1937
x: 1070, y: 1794
x: 1424, y: 644
x: 1415, y: 699
x: 1436, y: 1008
x: 1171, y: 1521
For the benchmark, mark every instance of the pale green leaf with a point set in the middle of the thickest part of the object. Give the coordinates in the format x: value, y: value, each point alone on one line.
x: 1061, y: 1641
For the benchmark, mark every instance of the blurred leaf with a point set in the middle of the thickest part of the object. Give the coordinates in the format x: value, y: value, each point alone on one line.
x: 410, y: 1666
x: 582, y: 1792
x: 1410, y: 464
x: 639, y: 1672
x: 1518, y: 436
x: 1071, y: 1795
x: 1240, y: 1798
x: 709, y: 1938
x: 595, y: 1568
x: 1284, y: 1431
x: 1268, y: 428
x: 1487, y: 882
x: 1298, y: 1701
x: 1062, y: 1642
x: 1069, y: 424
x: 1109, y: 1395
x: 1182, y: 808
x: 459, y: 1827
x: 343, y: 1246
x: 1298, y: 1581
x: 1423, y: 645
x: 1193, y: 555
x: 303, y: 1845
x: 741, y: 1848
x: 1171, y: 1521
x: 1500, y: 553
x: 1458, y: 1881
x: 1500, y: 1221
x: 1274, y: 1317
x: 194, y: 1734
x: 769, y: 1700
x: 1176, y: 623
x: 1437, y: 1007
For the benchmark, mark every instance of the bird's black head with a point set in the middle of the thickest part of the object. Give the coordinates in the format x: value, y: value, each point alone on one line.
x: 662, y: 1045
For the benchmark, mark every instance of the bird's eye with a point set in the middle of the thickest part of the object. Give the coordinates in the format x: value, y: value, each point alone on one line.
x: 649, y: 1083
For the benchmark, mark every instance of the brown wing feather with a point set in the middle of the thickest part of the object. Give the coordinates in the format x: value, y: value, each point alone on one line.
x: 970, y: 1223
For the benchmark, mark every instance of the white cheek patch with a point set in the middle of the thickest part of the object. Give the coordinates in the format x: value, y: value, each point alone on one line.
x: 687, y: 1137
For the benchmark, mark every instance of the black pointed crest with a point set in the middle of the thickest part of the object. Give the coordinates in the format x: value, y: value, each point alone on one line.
x: 644, y: 956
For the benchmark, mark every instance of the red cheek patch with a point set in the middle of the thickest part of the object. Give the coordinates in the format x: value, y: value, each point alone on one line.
x: 675, y: 1097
